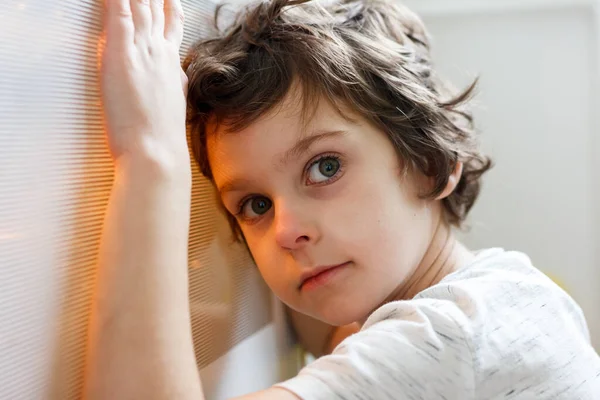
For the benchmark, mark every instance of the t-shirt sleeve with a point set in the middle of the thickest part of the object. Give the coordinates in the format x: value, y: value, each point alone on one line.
x: 417, y: 349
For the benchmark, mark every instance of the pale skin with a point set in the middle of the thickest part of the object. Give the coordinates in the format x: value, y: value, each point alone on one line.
x: 368, y: 215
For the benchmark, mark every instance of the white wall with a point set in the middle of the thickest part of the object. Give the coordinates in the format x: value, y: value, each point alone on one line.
x: 537, y: 112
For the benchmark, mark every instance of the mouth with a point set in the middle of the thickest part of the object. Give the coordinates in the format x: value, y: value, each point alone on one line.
x: 320, y: 276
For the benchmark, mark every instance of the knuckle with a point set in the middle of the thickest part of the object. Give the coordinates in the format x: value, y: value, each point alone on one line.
x: 124, y: 14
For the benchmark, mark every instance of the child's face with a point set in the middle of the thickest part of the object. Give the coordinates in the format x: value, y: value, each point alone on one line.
x: 338, y: 198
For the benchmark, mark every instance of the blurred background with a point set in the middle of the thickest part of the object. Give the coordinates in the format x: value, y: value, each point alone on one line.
x: 537, y: 110
x: 538, y: 63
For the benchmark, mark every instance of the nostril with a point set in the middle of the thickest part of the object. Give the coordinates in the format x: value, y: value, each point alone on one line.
x: 303, y: 238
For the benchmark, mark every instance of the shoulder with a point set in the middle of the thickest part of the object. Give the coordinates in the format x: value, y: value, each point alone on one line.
x: 495, y: 282
x: 416, y: 348
x: 522, y: 328
x: 505, y: 283
x: 498, y: 317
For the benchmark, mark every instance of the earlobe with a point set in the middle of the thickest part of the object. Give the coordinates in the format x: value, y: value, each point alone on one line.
x: 453, y: 180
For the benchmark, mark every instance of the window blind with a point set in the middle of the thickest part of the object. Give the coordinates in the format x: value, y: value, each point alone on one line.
x: 55, y: 179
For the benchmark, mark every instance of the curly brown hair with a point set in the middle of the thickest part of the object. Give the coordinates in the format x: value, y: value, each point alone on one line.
x: 371, y: 55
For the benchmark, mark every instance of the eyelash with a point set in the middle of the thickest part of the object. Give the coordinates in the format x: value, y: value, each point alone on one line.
x: 320, y: 158
x: 242, y: 203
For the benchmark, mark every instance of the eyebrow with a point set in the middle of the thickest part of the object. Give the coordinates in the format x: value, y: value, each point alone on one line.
x: 300, y: 148
x: 304, y: 144
x: 231, y: 186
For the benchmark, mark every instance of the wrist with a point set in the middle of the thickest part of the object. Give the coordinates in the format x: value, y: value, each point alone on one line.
x: 156, y: 162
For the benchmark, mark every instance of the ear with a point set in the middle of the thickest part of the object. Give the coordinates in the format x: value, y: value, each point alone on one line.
x: 453, y: 180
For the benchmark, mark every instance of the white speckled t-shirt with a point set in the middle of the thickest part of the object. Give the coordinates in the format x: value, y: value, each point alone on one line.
x: 496, y: 329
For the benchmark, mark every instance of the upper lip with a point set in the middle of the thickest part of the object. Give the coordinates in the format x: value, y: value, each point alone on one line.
x: 316, y: 271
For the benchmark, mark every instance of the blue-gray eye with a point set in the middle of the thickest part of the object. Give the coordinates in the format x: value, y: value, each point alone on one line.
x: 256, y: 206
x: 324, y: 169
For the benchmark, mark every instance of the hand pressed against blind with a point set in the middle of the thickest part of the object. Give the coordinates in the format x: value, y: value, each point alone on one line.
x: 143, y: 85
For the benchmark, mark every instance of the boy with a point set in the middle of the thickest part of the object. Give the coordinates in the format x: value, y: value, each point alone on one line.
x: 342, y: 162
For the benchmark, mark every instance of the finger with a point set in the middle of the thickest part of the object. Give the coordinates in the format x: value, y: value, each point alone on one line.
x: 157, y: 7
x: 174, y: 21
x: 118, y: 22
x: 142, y: 17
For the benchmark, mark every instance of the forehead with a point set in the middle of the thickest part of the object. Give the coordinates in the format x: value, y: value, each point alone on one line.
x: 272, y: 134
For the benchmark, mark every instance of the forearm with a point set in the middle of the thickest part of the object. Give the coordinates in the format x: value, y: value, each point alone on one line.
x: 140, y: 338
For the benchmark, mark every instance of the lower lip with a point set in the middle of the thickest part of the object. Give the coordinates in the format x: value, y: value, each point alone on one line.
x: 323, y: 278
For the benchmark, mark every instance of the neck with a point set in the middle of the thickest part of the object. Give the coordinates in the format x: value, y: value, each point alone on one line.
x: 444, y: 255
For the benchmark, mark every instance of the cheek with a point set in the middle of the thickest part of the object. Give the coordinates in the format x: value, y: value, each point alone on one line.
x: 269, y: 261
x: 383, y: 224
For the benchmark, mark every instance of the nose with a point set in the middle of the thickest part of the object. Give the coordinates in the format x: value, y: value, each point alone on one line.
x: 295, y: 228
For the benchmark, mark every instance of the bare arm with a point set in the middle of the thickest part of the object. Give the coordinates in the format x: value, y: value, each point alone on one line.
x: 140, y: 335
x: 140, y: 342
